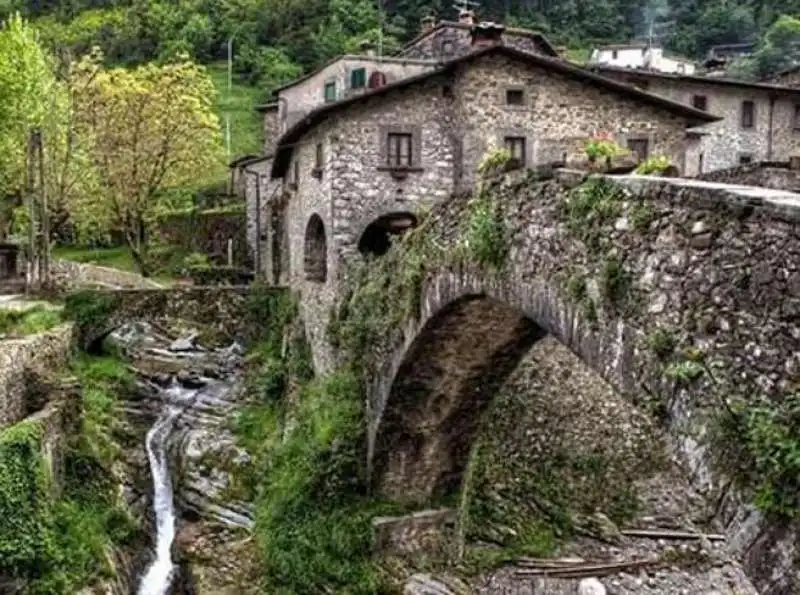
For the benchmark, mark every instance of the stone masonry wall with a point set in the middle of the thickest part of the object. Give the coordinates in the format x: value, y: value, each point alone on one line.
x: 310, y: 93
x: 713, y: 266
x: 459, y: 41
x: 262, y: 241
x: 724, y: 143
x: 70, y: 274
x: 221, y: 309
x: 557, y: 117
x: 18, y: 357
x: 757, y: 174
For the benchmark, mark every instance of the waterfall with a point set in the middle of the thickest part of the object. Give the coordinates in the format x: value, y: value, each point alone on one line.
x: 158, y: 577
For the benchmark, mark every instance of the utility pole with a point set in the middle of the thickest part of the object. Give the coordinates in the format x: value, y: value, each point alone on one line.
x: 230, y: 86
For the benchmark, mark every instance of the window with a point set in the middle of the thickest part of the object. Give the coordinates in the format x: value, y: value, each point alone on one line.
x: 358, y: 78
x: 330, y: 91
x: 399, y: 150
x: 700, y: 102
x: 639, y: 146
x: 515, y: 97
x: 320, y: 157
x: 748, y: 114
x: 614, y: 54
x: 745, y: 158
x: 796, y: 123
x: 644, y: 51
x: 516, y: 146
x: 700, y: 164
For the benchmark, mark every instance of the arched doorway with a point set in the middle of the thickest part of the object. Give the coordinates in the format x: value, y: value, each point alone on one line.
x: 377, y: 237
x: 315, y: 256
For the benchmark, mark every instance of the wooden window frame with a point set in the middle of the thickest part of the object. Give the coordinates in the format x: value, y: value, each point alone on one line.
x: 319, y: 161
x: 508, y: 142
x: 639, y: 139
x: 517, y: 92
x: 400, y: 170
x: 751, y: 125
x: 363, y: 78
x: 325, y: 87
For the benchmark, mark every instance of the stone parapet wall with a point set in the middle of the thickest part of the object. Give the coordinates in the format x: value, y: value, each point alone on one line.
x: 767, y: 175
x: 70, y: 274
x: 21, y: 357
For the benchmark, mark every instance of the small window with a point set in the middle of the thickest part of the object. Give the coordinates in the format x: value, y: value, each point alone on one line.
x: 700, y: 163
x: 358, y: 78
x: 644, y: 51
x: 516, y: 146
x: 399, y: 150
x: 700, y: 102
x: 745, y: 158
x: 515, y: 97
x: 614, y: 54
x: 330, y: 91
x: 748, y: 114
x: 796, y: 123
x: 320, y: 157
x: 640, y: 147
x: 447, y: 91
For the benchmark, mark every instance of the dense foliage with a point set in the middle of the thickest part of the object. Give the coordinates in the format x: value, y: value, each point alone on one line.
x: 60, y: 542
x: 273, y: 40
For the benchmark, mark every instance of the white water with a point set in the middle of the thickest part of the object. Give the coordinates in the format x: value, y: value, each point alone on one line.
x: 159, y: 576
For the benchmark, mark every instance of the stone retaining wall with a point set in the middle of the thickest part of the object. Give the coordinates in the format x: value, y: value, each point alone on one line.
x: 70, y: 274
x: 19, y: 358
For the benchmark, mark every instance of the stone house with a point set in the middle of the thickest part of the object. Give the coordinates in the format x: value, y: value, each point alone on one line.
x: 639, y: 55
x: 357, y: 171
x: 789, y: 77
x: 341, y: 78
x: 760, y: 121
x: 447, y: 40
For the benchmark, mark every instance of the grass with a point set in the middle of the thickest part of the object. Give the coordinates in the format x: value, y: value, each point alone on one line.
x: 245, y: 122
x: 168, y: 259
x: 21, y: 323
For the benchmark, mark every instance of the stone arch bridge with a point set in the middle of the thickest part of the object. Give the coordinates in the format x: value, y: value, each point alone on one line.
x: 222, y: 310
x: 674, y: 275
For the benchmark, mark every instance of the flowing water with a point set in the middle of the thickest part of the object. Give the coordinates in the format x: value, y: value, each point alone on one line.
x: 159, y: 576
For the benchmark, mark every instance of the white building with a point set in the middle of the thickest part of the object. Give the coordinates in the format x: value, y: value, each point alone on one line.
x: 640, y: 55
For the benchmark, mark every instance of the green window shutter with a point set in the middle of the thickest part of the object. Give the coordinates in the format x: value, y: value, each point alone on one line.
x: 358, y: 78
x: 330, y: 91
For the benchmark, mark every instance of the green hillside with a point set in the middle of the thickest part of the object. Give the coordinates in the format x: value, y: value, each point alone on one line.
x: 239, y: 105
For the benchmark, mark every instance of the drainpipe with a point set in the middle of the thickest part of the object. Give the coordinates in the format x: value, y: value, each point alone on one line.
x: 258, y: 219
x: 771, y: 127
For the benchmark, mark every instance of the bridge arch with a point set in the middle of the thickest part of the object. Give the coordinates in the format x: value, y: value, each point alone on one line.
x: 426, y: 404
x: 315, y: 250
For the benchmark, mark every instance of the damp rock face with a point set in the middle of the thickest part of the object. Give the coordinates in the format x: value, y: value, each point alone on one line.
x: 202, y: 384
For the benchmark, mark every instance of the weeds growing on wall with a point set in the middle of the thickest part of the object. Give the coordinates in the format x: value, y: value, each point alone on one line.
x: 590, y: 206
x: 59, y: 545
x: 89, y: 310
x: 306, y: 472
x: 19, y: 323
x: 762, y: 448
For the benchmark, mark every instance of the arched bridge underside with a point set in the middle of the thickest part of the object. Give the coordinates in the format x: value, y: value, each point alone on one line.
x: 426, y: 406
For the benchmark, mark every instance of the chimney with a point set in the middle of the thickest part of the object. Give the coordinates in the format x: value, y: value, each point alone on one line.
x: 484, y: 34
x: 367, y: 48
x: 427, y: 24
x: 466, y: 17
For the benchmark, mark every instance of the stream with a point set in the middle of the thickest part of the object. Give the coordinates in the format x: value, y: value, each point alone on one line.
x: 158, y: 578
x: 188, y: 394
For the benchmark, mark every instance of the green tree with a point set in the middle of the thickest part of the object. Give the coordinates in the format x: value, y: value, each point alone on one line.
x: 780, y: 48
x: 150, y: 129
x: 27, y: 93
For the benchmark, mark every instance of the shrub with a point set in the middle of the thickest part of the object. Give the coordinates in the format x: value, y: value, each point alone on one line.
x: 90, y: 309
x: 653, y: 165
x: 661, y: 342
x: 486, y: 235
x: 601, y: 146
